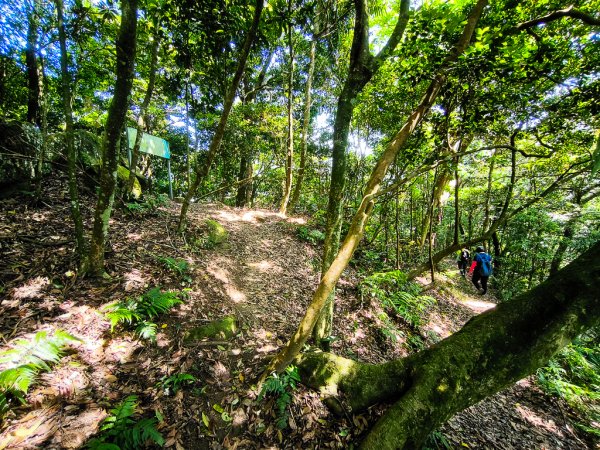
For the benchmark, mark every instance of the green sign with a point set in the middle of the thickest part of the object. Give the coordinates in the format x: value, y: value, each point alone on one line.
x: 150, y: 144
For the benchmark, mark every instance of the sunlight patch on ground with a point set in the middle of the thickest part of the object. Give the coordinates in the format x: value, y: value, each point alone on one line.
x: 134, y: 237
x: 31, y: 289
x: 297, y: 220
x: 135, y: 280
x: 235, y: 295
x: 266, y: 349
x: 266, y: 267
x: 120, y: 349
x: 537, y: 421
x: 219, y: 273
x: 440, y: 325
x: 478, y: 306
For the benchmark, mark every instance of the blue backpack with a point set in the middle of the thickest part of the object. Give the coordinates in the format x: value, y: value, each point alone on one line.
x: 485, y: 267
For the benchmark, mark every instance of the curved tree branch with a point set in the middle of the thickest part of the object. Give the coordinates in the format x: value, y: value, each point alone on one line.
x: 555, y: 15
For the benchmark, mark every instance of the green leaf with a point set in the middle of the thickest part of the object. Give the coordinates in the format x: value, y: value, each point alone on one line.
x: 218, y: 408
x: 205, y: 420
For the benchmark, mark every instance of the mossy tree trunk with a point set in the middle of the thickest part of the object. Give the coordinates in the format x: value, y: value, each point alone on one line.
x: 126, y: 45
x: 492, y: 351
x: 202, y: 170
x: 357, y: 227
x: 71, y: 153
x: 363, y: 65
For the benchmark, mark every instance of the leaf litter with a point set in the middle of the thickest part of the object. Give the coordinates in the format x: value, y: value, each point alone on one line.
x: 264, y: 276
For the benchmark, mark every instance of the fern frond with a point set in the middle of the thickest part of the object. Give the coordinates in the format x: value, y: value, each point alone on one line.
x: 125, y: 409
x: 146, y: 330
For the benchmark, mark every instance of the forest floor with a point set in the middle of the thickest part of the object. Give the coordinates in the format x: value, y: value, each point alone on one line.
x: 264, y: 276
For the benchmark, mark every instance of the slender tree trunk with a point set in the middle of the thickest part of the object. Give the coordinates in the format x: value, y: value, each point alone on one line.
x: 33, y: 69
x: 141, y: 121
x: 430, y: 221
x: 289, y: 162
x: 126, y: 46
x: 492, y: 351
x: 44, y: 129
x: 456, y: 206
x: 488, y: 193
x: 357, y: 227
x: 69, y: 138
x: 439, y: 186
x: 215, y: 145
x: 363, y: 65
x: 305, y: 126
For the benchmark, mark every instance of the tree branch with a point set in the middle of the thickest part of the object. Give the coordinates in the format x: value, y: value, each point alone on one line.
x: 555, y: 15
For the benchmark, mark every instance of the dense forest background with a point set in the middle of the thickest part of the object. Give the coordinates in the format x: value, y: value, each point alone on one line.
x: 400, y: 132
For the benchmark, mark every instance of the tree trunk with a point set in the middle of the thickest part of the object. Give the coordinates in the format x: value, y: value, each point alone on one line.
x: 363, y: 65
x: 305, y: 127
x: 215, y: 144
x: 439, y: 186
x: 126, y: 46
x: 141, y: 121
x: 357, y: 227
x: 492, y: 351
x: 33, y: 69
x: 71, y: 152
x: 289, y: 160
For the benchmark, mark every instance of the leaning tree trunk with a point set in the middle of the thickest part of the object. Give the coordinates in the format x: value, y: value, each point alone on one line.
x: 126, y: 44
x: 363, y: 65
x: 69, y: 139
x: 357, y: 227
x: 492, y: 351
x: 215, y: 145
x: 141, y: 122
x: 289, y: 159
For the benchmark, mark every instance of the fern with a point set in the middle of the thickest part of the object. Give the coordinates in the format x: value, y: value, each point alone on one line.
x: 280, y: 386
x: 140, y: 311
x: 25, y: 360
x: 173, y: 383
x: 396, y: 292
x: 179, y: 266
x: 120, y: 431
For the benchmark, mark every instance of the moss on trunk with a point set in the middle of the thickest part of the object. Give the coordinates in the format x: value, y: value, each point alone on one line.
x: 492, y: 351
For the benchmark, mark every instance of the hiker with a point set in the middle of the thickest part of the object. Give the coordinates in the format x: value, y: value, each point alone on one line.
x: 463, y: 259
x: 481, y: 269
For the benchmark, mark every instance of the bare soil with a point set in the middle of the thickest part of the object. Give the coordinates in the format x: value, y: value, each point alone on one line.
x: 264, y: 276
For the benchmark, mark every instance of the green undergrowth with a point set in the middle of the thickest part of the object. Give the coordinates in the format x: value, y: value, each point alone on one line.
x: 178, y: 266
x: 280, y: 387
x: 174, y: 383
x: 574, y: 375
x: 122, y: 431
x: 25, y: 360
x: 311, y: 235
x: 398, y: 295
x: 149, y: 204
x: 140, y: 312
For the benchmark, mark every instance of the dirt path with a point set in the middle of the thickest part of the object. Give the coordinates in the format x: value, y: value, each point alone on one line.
x: 264, y: 277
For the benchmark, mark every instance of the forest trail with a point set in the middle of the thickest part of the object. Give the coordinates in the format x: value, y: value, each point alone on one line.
x: 264, y: 276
